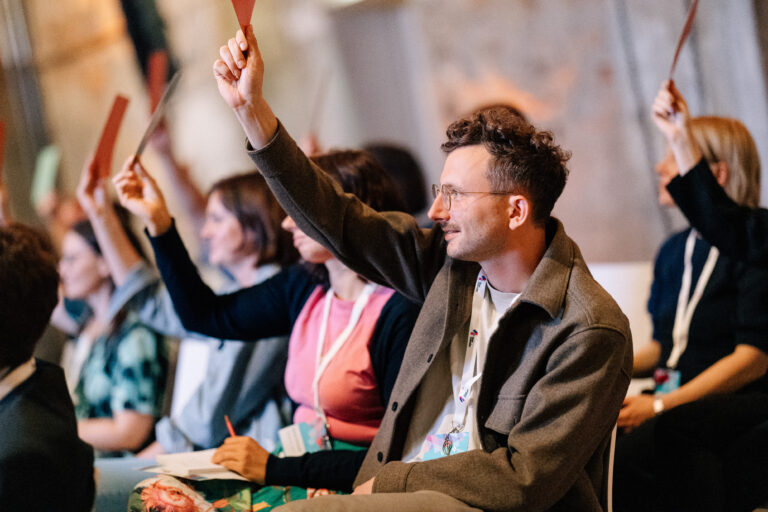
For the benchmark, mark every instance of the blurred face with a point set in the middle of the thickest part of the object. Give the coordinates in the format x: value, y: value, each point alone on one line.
x: 309, y: 250
x: 223, y: 232
x: 666, y: 169
x: 477, y: 225
x: 82, y: 271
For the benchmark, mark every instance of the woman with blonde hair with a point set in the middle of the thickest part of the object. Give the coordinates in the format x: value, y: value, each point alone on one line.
x: 710, y: 337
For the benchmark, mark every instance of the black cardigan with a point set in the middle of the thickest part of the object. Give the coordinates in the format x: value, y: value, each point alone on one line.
x: 270, y: 309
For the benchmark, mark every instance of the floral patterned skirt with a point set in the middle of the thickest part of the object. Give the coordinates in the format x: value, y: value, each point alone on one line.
x: 164, y: 493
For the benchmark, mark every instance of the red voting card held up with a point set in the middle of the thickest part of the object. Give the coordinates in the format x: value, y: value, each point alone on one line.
x: 244, y: 10
x: 683, y: 35
x: 106, y: 147
x: 157, y: 72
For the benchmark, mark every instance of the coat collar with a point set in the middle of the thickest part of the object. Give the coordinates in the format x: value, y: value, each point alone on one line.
x: 549, y: 282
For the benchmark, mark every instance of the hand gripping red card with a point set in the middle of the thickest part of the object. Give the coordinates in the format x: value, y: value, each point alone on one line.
x: 244, y: 10
x: 106, y: 147
x: 157, y: 72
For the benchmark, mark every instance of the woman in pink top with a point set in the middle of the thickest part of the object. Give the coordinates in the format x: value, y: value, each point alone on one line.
x: 347, y: 332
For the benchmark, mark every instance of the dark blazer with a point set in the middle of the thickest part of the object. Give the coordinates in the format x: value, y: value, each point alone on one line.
x: 557, y: 367
x: 43, y: 464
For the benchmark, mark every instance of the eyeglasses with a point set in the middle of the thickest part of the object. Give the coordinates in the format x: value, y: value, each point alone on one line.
x: 448, y: 194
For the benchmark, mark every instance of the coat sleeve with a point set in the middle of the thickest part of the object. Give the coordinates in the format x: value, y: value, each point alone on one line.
x: 388, y: 248
x: 562, y: 423
x: 739, y: 232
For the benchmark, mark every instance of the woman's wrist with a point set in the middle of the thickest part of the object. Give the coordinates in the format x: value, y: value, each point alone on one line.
x: 686, y: 150
x: 159, y: 222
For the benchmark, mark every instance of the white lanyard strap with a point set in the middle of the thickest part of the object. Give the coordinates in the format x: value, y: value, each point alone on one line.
x: 471, y: 372
x: 686, y: 306
x: 322, y: 361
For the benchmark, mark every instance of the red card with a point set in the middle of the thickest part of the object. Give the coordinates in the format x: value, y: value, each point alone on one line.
x: 2, y: 146
x: 106, y: 145
x: 684, y: 35
x: 244, y: 10
x: 157, y: 72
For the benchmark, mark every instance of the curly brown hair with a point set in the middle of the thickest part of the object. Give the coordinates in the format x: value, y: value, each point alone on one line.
x: 29, y: 291
x: 524, y: 160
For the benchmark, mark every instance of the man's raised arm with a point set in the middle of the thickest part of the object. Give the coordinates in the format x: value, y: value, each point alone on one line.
x: 240, y: 76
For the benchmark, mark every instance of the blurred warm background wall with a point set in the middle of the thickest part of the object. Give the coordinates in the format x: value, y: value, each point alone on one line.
x: 355, y: 72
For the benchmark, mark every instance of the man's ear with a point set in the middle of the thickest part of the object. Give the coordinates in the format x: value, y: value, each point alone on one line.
x: 721, y: 172
x: 519, y: 210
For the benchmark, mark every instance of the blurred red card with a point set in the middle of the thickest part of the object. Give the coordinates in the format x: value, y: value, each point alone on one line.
x: 244, y: 11
x: 157, y: 72
x: 106, y: 146
x: 2, y: 145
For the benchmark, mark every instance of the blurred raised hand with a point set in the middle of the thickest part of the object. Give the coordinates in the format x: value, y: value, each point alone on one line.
x: 139, y: 194
x: 671, y: 116
x: 91, y: 191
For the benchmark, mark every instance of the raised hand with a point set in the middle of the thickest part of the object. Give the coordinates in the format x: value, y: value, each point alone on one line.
x: 240, y: 76
x: 91, y: 191
x: 670, y: 111
x: 139, y: 194
x: 243, y: 455
x: 240, y: 70
x: 671, y: 115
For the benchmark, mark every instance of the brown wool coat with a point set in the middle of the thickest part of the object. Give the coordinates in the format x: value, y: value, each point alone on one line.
x: 556, y: 371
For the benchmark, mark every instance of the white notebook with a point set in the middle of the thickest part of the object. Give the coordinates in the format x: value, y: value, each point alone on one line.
x: 193, y: 465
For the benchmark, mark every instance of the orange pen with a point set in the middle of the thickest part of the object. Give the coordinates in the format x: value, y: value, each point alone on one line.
x: 229, y: 426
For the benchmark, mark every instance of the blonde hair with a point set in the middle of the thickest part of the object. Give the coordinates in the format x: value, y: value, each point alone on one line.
x: 722, y: 139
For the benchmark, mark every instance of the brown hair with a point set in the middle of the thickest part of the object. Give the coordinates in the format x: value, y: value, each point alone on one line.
x: 524, y: 160
x: 722, y: 139
x: 29, y: 291
x: 359, y: 174
x: 249, y: 199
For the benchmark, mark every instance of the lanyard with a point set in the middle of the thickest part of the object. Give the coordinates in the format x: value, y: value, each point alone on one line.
x: 468, y: 376
x: 322, y: 361
x: 685, y: 305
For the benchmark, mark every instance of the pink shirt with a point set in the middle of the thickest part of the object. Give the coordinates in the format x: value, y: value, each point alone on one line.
x: 348, y: 391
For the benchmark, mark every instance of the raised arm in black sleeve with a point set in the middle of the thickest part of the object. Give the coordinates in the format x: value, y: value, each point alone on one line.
x: 739, y: 232
x: 267, y: 309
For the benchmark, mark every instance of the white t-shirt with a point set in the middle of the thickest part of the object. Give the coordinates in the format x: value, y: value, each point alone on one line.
x: 494, y: 305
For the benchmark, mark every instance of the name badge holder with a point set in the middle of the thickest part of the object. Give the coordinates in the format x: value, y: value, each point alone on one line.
x: 301, y: 438
x: 457, y: 439
x: 668, y: 379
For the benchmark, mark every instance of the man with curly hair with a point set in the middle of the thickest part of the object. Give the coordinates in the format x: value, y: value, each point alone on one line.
x: 519, y: 361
